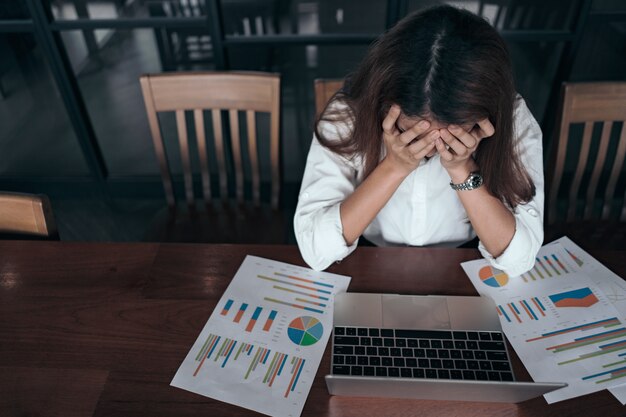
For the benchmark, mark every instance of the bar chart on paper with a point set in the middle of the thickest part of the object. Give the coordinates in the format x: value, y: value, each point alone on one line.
x: 263, y: 343
x: 551, y: 306
x: 297, y: 292
x: 258, y: 313
x: 260, y: 364
x: 551, y: 265
x: 523, y: 310
x: 600, y: 344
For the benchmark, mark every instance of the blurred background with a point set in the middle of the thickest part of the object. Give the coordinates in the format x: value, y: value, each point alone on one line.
x: 72, y: 119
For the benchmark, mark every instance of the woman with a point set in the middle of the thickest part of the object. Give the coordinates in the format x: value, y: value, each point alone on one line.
x: 428, y: 144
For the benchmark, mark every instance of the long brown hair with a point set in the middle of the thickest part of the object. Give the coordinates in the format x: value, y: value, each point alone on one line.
x: 444, y: 63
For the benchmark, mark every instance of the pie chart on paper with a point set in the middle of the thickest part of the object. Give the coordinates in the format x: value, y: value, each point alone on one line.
x: 305, y: 330
x: 493, y: 276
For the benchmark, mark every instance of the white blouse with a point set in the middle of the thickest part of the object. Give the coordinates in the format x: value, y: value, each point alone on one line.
x: 423, y: 211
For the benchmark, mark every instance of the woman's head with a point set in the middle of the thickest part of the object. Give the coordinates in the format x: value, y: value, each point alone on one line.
x: 445, y: 65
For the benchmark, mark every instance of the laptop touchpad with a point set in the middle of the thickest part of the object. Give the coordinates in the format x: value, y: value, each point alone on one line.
x: 415, y: 312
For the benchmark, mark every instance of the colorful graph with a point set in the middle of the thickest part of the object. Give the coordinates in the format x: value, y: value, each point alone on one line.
x: 208, y: 348
x: 493, y: 276
x: 601, y: 349
x: 307, y: 287
x: 612, y: 374
x: 305, y: 331
x: 607, y: 323
x: 582, y: 297
x: 304, y: 291
x: 546, y: 266
x: 239, y: 314
x: 269, y: 321
x: 531, y: 309
x: 255, y: 316
x: 603, y: 337
x: 253, y: 319
x: 227, y: 307
x: 576, y: 259
x: 286, y: 303
x: 219, y: 350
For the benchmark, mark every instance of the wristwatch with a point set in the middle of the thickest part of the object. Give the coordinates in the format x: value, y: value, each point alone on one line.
x: 472, y: 182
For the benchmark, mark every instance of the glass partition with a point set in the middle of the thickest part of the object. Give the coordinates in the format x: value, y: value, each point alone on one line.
x: 36, y: 136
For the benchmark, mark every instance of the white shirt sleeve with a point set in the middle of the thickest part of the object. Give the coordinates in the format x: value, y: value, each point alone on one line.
x: 519, y: 256
x: 328, y: 180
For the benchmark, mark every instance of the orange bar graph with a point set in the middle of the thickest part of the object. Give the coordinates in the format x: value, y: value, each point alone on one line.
x: 270, y: 321
x: 254, y: 318
x: 242, y: 309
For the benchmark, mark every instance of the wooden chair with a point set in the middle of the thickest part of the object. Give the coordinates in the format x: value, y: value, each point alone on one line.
x: 324, y: 90
x: 583, y: 199
x: 26, y: 216
x: 245, y: 220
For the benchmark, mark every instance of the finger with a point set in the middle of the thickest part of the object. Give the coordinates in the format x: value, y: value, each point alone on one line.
x: 426, y: 147
x: 419, y: 145
x: 414, y: 132
x: 444, y: 153
x: 456, y: 145
x: 485, y: 129
x: 389, y: 123
x: 465, y: 137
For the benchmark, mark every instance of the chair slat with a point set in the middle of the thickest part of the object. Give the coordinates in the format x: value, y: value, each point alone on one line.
x: 597, y: 169
x: 219, y: 151
x: 157, y: 140
x: 254, y: 158
x: 615, y: 172
x: 235, y: 142
x: 198, y: 116
x: 274, y: 151
x: 184, y: 154
x: 584, y: 154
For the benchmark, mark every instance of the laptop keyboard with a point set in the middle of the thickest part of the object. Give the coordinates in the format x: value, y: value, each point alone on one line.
x: 433, y: 354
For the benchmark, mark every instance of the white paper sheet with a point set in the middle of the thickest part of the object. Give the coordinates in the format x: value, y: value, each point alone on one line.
x: 559, y: 321
x: 613, y: 286
x: 263, y: 343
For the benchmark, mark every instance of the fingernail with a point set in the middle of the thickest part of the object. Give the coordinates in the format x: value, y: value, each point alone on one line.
x: 438, y: 141
x: 423, y: 124
x: 453, y: 127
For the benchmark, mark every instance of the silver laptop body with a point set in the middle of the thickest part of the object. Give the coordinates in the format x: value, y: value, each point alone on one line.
x: 425, y: 313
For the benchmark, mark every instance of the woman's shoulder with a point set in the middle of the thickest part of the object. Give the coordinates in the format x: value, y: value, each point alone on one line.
x: 521, y: 111
x: 523, y: 119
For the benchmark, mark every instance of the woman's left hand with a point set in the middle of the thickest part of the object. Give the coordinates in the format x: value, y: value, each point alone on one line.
x: 457, y: 156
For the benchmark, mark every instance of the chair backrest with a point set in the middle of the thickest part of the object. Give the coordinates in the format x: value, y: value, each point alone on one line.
x: 28, y: 215
x: 599, y: 104
x: 324, y: 90
x: 217, y: 92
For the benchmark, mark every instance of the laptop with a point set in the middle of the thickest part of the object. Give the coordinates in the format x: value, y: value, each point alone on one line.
x: 423, y: 347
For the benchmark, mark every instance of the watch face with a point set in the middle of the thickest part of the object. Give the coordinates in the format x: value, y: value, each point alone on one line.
x: 472, y: 182
x: 475, y: 180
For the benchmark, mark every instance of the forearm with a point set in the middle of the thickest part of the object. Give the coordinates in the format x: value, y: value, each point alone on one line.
x: 493, y: 222
x: 361, y: 207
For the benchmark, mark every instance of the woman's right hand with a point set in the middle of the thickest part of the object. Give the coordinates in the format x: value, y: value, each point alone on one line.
x: 404, y: 153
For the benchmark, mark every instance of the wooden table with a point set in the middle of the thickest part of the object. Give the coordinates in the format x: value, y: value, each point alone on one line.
x: 101, y: 328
